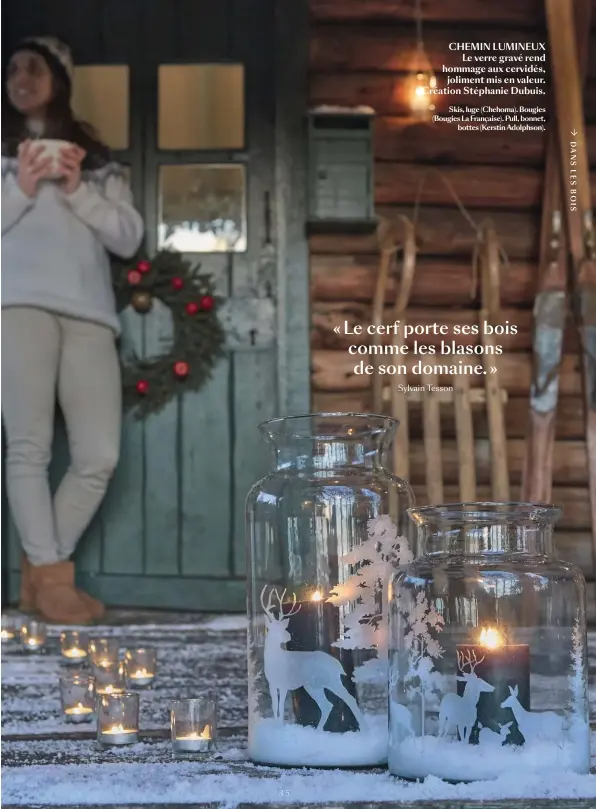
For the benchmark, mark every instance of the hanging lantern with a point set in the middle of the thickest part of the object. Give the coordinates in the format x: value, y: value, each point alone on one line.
x: 421, y: 80
x: 419, y: 84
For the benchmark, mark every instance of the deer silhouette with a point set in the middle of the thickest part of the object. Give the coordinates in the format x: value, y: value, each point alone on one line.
x: 490, y: 737
x: 460, y: 712
x: 533, y: 724
x: 288, y: 670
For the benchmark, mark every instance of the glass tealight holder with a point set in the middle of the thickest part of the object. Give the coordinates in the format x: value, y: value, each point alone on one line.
x: 140, y: 667
x: 33, y: 636
x: 117, y: 719
x: 10, y: 629
x: 73, y: 647
x: 194, y: 725
x: 104, y: 652
x: 109, y: 679
x: 77, y: 697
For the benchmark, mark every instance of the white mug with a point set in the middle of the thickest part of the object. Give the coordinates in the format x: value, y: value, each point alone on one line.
x: 52, y: 148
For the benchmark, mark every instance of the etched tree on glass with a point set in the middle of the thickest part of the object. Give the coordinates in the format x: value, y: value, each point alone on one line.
x: 364, y: 594
x: 422, y: 648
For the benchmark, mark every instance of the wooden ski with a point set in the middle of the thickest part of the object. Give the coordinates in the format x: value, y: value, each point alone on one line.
x: 567, y: 60
x: 550, y: 308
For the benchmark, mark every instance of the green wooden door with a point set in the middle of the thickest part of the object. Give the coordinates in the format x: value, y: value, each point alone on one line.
x: 197, y: 107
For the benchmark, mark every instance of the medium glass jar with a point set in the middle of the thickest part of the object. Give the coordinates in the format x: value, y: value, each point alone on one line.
x: 487, y: 647
x: 324, y: 528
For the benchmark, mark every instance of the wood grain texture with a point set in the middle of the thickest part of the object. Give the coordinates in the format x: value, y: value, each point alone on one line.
x: 386, y: 93
x: 407, y: 140
x: 348, y: 280
x: 443, y: 232
x: 334, y: 370
x: 507, y: 12
x: 350, y: 317
x: 569, y: 424
x: 386, y: 48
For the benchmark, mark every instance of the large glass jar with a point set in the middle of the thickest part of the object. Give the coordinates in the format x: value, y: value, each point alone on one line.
x: 324, y: 530
x: 487, y: 648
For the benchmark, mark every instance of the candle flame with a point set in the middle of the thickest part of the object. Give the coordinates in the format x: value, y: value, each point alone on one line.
x: 491, y: 638
x: 316, y: 596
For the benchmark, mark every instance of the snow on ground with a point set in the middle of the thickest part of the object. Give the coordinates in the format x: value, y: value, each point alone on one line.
x: 194, y: 657
x: 192, y: 782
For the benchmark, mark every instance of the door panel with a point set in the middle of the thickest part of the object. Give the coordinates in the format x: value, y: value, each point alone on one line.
x: 171, y: 530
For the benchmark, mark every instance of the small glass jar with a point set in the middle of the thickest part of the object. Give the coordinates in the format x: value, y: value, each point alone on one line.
x: 140, y: 667
x: 77, y: 697
x: 324, y: 529
x: 33, y: 636
x: 109, y: 679
x: 10, y: 630
x: 488, y: 648
x: 117, y: 719
x: 193, y: 724
x: 73, y: 647
x: 104, y: 652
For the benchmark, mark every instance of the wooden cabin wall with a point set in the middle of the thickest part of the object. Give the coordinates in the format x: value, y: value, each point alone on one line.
x: 359, y: 52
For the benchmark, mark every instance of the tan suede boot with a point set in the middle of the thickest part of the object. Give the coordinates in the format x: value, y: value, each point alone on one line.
x: 27, y: 595
x: 56, y: 598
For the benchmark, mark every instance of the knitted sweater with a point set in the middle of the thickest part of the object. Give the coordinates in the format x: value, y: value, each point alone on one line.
x: 55, y: 245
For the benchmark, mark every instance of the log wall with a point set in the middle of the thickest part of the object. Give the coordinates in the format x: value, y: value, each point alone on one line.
x: 359, y: 55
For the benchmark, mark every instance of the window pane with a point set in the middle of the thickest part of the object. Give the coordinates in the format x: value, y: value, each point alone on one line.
x: 100, y: 97
x: 201, y: 107
x: 202, y: 208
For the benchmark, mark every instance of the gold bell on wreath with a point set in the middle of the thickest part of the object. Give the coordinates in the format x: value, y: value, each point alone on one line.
x: 142, y: 301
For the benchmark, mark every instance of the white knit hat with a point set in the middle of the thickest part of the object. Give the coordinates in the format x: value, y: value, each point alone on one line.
x: 55, y: 52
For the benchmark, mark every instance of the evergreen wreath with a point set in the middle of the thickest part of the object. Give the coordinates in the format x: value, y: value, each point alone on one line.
x: 198, y: 336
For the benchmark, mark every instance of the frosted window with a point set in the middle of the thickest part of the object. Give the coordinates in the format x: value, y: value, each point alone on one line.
x: 201, y: 107
x: 202, y: 208
x: 100, y: 97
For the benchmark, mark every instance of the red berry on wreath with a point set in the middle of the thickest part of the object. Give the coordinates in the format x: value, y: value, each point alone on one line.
x: 181, y: 369
x: 134, y: 277
x: 142, y: 387
x: 144, y: 266
x: 177, y: 282
x: 207, y: 303
x: 192, y: 308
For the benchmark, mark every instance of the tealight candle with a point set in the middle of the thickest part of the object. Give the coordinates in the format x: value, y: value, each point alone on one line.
x: 109, y: 679
x: 104, y: 652
x: 33, y: 636
x: 193, y: 724
x: 140, y: 666
x: 73, y: 646
x: 9, y: 630
x: 118, y: 719
x: 77, y: 696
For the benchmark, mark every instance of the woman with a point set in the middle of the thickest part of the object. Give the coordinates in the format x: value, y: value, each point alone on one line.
x: 59, y: 323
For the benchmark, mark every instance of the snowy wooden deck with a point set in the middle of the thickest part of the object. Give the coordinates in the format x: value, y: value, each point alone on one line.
x: 48, y: 763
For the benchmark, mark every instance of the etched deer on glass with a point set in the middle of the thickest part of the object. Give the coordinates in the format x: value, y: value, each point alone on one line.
x: 490, y: 737
x: 534, y: 724
x: 288, y: 670
x: 460, y: 713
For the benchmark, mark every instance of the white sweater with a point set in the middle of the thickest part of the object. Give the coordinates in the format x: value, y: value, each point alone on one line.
x: 55, y: 246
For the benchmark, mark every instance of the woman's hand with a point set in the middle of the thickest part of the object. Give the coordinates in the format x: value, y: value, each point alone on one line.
x: 70, y: 168
x: 31, y: 169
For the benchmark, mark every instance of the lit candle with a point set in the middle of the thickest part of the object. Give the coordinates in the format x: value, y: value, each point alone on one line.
x: 193, y: 742
x: 74, y: 654
x: 503, y: 666
x: 34, y: 643
x: 78, y: 713
x: 110, y: 689
x: 6, y: 635
x: 314, y: 626
x: 118, y: 734
x: 141, y: 676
